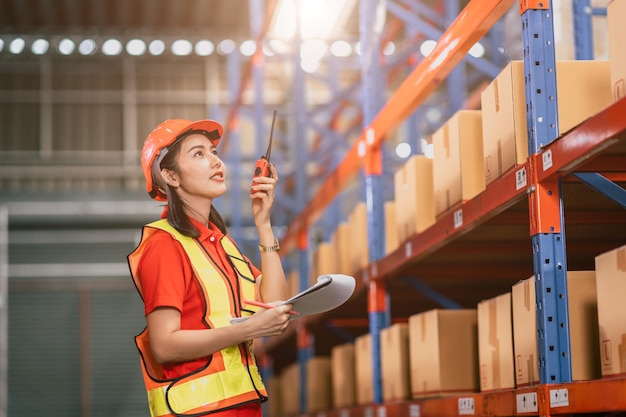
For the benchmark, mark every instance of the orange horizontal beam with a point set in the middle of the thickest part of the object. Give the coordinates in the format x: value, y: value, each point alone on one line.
x: 468, y: 28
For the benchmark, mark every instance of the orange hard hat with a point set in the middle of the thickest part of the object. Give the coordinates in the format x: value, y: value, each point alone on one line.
x: 162, y: 137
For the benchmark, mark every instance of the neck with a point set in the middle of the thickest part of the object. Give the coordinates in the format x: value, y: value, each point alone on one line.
x: 199, y: 212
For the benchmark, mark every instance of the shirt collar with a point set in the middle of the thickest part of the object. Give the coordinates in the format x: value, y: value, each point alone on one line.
x: 205, y: 232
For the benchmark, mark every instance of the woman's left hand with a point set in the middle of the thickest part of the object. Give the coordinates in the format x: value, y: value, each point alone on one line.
x: 263, y: 199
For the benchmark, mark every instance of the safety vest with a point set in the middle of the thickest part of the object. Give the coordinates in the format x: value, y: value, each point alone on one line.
x: 230, y: 377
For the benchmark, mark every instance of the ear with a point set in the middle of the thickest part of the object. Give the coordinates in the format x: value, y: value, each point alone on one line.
x: 168, y: 178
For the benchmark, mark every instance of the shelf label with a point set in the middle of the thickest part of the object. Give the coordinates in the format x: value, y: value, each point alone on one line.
x: 458, y: 218
x: 374, y: 269
x: 527, y: 402
x: 344, y: 413
x: 368, y: 412
x: 414, y: 410
x: 382, y: 411
x: 408, y: 249
x: 521, y: 179
x: 546, y: 158
x: 466, y: 406
x: 559, y: 397
x: 321, y: 414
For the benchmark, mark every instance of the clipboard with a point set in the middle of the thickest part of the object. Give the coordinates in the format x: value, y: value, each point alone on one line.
x: 329, y: 292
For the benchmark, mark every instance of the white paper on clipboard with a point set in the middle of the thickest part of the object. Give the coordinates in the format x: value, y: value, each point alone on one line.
x: 329, y: 292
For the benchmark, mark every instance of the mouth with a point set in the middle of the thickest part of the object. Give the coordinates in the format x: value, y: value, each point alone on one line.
x: 218, y: 176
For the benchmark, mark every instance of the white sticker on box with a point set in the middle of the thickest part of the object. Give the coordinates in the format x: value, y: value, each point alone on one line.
x: 559, y: 397
x: 408, y: 249
x: 521, y: 179
x: 344, y: 413
x: 414, y: 410
x: 526, y: 403
x: 466, y: 406
x: 382, y: 411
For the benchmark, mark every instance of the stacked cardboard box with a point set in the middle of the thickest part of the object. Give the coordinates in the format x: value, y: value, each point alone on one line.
x: 363, y: 373
x: 342, y: 241
x: 394, y: 362
x: 611, y: 288
x: 616, y: 10
x: 583, y: 326
x: 458, y: 171
x: 319, y: 385
x: 443, y: 352
x: 359, y: 251
x: 583, y: 89
x: 414, y: 196
x: 495, y: 343
x: 290, y: 389
x: 274, y: 401
x: 343, y: 375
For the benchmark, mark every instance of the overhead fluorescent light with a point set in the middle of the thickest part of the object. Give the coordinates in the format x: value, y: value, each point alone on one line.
x: 318, y: 18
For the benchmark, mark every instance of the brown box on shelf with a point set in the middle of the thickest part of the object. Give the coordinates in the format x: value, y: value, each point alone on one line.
x: 414, y: 196
x: 611, y: 287
x: 495, y: 343
x: 583, y: 89
x: 293, y: 283
x: 394, y: 362
x: 319, y: 385
x: 363, y: 370
x: 342, y: 240
x: 324, y: 261
x: 274, y: 405
x: 616, y: 10
x: 583, y: 326
x: 359, y: 252
x: 343, y: 375
x: 458, y: 167
x: 443, y: 353
x: 290, y: 389
x: 391, y: 230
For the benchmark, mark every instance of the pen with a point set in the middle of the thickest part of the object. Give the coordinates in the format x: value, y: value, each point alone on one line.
x: 259, y: 304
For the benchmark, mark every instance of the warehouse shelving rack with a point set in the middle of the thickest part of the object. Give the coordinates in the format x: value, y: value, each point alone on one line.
x: 546, y: 193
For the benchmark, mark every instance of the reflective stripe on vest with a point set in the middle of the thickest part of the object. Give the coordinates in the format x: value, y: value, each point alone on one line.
x: 231, y: 376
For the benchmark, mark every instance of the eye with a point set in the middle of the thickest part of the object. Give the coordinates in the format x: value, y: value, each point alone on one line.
x: 214, y: 151
x: 198, y: 153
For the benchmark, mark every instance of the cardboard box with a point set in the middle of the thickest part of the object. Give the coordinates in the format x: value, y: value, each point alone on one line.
x: 458, y: 167
x: 343, y: 375
x: 342, y: 240
x: 391, y: 229
x: 443, y: 353
x: 582, y: 306
x: 414, y: 196
x: 611, y: 287
x: 394, y: 362
x: 274, y: 406
x: 364, y: 374
x: 495, y: 343
x: 319, y: 384
x: 324, y: 261
x: 293, y: 283
x: 616, y: 10
x: 359, y: 250
x: 290, y: 389
x: 583, y: 90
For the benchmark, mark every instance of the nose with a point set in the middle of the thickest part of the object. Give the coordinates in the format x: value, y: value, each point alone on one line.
x: 215, y: 160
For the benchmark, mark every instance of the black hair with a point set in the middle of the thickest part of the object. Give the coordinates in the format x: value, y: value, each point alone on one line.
x: 176, y: 214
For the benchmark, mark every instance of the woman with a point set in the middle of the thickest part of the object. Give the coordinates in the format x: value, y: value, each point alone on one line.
x: 194, y: 280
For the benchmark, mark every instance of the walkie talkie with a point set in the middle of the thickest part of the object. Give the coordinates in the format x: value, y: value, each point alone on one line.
x: 262, y: 166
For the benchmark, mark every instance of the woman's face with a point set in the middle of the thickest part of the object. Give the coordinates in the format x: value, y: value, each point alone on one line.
x: 202, y: 173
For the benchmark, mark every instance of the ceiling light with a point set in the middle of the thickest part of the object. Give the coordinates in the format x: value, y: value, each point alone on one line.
x: 309, y: 65
x: 341, y: 49
x: 403, y: 150
x: 16, y: 46
x: 87, y: 47
x: 204, y: 48
x: 136, y: 47
x: 278, y: 46
x: 1, y: 45
x: 477, y: 50
x: 318, y: 18
x: 427, y: 47
x: 112, y: 47
x: 313, y: 49
x: 247, y: 48
x: 390, y: 48
x: 66, y: 46
x: 156, y: 47
x: 182, y: 47
x: 39, y: 46
x: 225, y: 47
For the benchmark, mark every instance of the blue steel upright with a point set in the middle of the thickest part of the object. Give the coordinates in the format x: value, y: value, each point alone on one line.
x: 549, y: 255
x: 370, y: 32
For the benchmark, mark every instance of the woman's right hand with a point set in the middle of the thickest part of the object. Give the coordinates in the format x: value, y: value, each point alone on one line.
x: 269, y: 322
